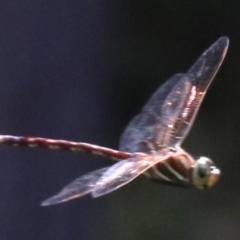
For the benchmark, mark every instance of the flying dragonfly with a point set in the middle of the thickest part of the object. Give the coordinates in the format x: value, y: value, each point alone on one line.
x: 151, y: 143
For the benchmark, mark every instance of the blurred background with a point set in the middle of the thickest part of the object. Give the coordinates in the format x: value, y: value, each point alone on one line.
x: 80, y: 70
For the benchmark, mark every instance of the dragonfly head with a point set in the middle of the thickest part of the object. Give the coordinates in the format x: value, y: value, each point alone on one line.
x: 205, y: 174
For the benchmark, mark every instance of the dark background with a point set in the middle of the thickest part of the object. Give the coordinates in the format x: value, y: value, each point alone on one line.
x: 80, y: 70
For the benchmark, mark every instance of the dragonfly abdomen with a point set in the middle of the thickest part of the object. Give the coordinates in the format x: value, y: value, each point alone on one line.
x: 63, y: 145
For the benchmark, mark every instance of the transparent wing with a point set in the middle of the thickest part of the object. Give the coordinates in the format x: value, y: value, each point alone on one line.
x: 125, y: 171
x: 77, y: 188
x: 202, y: 72
x: 150, y: 129
x: 167, y: 117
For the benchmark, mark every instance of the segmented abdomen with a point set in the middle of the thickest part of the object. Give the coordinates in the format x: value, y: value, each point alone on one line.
x: 63, y: 145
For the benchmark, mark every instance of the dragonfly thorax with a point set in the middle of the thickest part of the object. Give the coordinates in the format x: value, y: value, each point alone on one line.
x: 205, y: 174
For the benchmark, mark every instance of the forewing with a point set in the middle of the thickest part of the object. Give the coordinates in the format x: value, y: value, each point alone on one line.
x: 125, y: 171
x: 150, y: 129
x: 202, y: 72
x: 167, y: 117
x: 78, y: 188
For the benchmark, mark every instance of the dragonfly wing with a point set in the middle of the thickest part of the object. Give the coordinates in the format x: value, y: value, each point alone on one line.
x: 78, y: 188
x: 202, y: 72
x: 125, y: 171
x: 167, y: 117
x: 150, y: 129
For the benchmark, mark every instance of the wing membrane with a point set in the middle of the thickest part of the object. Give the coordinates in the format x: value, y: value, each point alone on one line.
x: 167, y: 117
x: 202, y: 72
x: 78, y: 188
x: 125, y: 171
x: 106, y: 180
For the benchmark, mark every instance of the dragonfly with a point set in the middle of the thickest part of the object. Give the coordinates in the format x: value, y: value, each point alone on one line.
x: 151, y: 143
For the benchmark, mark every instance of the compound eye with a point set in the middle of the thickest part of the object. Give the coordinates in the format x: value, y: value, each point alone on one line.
x: 203, y: 171
x: 205, y: 174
